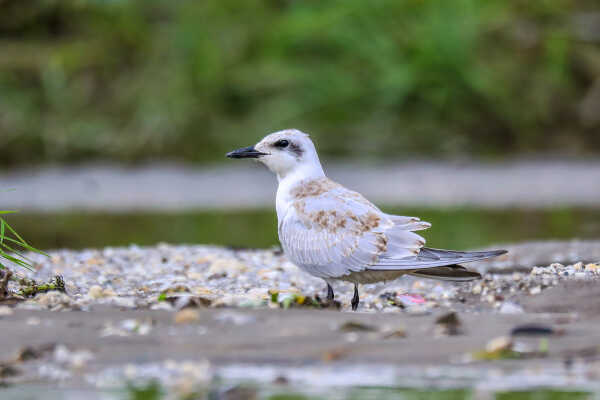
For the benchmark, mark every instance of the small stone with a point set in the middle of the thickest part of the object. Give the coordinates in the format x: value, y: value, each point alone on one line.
x: 125, y: 302
x: 396, y: 333
x: 75, y: 359
x: 448, y: 324
x: 96, y: 292
x: 498, y: 344
x: 535, y: 290
x: 352, y: 326
x: 163, y: 305
x: 186, y: 316
x: 53, y: 299
x: 234, y: 317
x: 227, y: 267
x: 8, y: 371
x: 509, y: 307
x: 594, y: 268
x: 194, y: 275
x: 5, y: 311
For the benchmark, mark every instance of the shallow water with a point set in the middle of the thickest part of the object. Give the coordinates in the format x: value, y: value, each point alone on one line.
x: 452, y: 228
x: 244, y: 391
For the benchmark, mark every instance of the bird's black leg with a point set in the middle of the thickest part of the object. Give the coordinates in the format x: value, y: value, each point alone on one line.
x: 355, y: 298
x: 330, y: 294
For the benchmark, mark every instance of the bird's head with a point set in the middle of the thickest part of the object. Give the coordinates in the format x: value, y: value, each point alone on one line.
x: 283, y: 152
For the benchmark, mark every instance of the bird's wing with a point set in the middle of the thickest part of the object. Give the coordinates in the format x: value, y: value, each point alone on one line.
x: 429, y: 258
x: 338, y: 231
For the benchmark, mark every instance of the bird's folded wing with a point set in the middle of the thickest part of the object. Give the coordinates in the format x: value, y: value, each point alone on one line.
x: 429, y: 258
x: 339, y: 232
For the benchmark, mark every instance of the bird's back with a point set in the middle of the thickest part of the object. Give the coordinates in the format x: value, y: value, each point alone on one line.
x: 332, y: 231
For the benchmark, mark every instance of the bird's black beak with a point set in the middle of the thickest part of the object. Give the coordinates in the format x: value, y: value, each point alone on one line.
x: 246, y: 152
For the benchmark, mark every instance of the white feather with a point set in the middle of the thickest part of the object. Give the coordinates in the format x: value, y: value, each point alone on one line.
x: 333, y: 232
x: 354, y: 240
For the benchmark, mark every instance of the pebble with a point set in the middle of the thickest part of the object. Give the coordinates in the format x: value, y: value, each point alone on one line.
x: 509, y: 307
x: 593, y: 268
x: 97, y: 292
x: 235, y: 317
x: 500, y: 343
x: 76, y: 359
x: 535, y: 290
x: 136, y: 277
x: 53, y: 300
x: 5, y: 311
x: 578, y: 269
x: 186, y: 316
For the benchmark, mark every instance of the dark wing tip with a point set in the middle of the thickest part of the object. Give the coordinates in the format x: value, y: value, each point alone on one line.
x: 453, y: 273
x: 486, y: 254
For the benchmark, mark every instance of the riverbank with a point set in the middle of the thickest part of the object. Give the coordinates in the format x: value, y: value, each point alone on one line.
x: 192, y: 316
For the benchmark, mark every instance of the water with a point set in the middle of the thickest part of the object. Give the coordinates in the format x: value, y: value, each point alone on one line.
x: 246, y: 391
x: 457, y: 228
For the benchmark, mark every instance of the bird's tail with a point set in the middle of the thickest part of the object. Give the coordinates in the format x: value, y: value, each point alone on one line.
x: 454, y: 273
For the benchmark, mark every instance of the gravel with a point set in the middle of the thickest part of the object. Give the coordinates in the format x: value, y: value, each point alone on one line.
x: 204, y: 316
x: 167, y: 277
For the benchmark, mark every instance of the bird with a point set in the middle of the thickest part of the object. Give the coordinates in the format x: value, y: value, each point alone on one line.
x: 336, y: 234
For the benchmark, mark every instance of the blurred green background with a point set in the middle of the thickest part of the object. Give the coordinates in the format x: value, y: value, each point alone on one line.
x: 132, y: 80
x: 454, y: 228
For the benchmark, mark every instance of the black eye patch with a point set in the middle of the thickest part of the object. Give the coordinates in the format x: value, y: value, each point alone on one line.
x: 281, y: 143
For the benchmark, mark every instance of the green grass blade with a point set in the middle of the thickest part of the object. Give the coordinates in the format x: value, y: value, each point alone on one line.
x: 14, y: 232
x: 15, y: 260
x: 25, y: 246
x: 8, y: 252
x: 17, y: 252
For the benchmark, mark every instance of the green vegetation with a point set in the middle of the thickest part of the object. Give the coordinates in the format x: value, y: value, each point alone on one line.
x: 544, y: 395
x: 154, y: 391
x: 141, y: 79
x: 292, y: 396
x: 12, y: 245
x: 452, y: 228
x: 30, y: 288
x: 392, y: 393
x: 151, y: 391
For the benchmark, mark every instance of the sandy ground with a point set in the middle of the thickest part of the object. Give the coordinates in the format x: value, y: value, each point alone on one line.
x: 519, y: 183
x: 401, y: 336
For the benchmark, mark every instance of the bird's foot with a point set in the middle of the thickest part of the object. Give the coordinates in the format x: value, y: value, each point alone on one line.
x: 330, y: 294
x: 355, y: 299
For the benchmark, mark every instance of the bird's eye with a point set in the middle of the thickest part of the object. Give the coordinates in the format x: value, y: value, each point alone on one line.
x: 281, y: 143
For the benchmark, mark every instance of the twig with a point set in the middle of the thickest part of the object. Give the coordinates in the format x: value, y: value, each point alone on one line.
x: 6, y: 274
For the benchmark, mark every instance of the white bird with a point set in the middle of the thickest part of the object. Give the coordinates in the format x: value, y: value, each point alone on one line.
x: 336, y: 234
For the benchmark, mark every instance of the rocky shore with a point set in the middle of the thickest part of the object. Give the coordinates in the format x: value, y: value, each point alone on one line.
x: 133, y: 313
